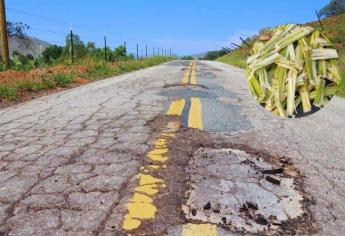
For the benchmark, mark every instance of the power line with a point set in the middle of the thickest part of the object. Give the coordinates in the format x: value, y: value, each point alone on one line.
x: 37, y: 16
x: 50, y: 19
x: 59, y: 22
x: 47, y: 31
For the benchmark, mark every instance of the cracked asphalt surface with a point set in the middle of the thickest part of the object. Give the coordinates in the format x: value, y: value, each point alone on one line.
x: 69, y: 162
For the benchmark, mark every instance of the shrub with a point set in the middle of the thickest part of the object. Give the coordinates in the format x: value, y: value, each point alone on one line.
x: 100, y: 70
x: 27, y: 85
x: 7, y: 92
x: 187, y: 58
x: 47, y: 83
x: 63, y: 80
x: 52, y: 53
x: 21, y: 63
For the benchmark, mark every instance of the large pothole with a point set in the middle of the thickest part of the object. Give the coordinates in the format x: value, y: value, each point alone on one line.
x: 246, y: 193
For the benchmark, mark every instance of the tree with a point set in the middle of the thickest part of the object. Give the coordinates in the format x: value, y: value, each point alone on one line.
x: 17, y: 29
x: 212, y: 55
x: 79, y: 46
x: 52, y: 53
x: 335, y: 7
x: 90, y: 46
x: 187, y: 58
x: 30, y: 56
x: 119, y: 52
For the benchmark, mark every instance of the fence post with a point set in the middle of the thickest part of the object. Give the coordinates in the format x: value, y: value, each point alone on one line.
x: 245, y: 42
x: 153, y: 51
x: 72, y: 46
x: 318, y: 17
x: 105, y: 47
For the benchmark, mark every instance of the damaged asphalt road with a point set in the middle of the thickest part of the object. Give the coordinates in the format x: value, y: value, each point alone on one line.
x: 177, y: 149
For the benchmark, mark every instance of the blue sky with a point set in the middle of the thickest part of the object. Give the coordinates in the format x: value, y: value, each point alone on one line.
x: 186, y: 26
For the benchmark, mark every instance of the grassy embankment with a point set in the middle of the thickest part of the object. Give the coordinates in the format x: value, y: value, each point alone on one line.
x: 334, y: 30
x: 15, y: 85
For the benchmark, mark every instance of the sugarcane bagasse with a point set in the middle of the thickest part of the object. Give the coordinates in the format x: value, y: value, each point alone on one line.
x: 293, y: 70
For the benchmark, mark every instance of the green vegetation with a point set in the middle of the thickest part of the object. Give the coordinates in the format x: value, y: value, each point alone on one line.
x: 54, y: 68
x: 63, y: 79
x: 187, y: 58
x: 237, y: 58
x: 52, y: 53
x: 89, y: 70
x: 8, y: 92
x: 213, y: 55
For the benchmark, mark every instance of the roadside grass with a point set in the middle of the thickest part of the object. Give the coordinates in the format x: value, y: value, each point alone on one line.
x: 63, y: 79
x: 237, y: 58
x: 341, y: 90
x: 8, y: 92
x: 62, y: 76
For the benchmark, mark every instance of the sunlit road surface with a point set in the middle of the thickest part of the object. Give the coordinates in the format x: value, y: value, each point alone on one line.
x: 101, y: 159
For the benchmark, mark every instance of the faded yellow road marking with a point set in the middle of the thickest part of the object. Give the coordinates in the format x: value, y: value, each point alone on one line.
x: 199, y: 230
x: 185, y: 79
x: 193, y: 74
x: 176, y: 107
x: 195, y: 116
x: 141, y: 206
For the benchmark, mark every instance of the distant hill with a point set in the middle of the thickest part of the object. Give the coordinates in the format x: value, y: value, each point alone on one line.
x: 199, y: 55
x: 28, y: 45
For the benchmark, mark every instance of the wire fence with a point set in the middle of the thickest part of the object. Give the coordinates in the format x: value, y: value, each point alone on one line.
x: 101, y: 39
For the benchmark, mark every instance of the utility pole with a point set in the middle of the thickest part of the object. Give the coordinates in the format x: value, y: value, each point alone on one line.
x: 105, y: 47
x: 137, y: 51
x: 4, y: 38
x: 146, y: 51
x: 72, y: 46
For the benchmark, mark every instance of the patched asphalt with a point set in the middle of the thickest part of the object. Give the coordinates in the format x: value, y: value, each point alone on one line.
x: 70, y: 162
x: 220, y: 113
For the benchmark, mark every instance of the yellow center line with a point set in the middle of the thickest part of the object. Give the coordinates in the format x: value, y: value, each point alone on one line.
x: 176, y: 107
x: 195, y: 116
x: 193, y: 74
x: 141, y: 206
x: 185, y: 79
x: 199, y: 230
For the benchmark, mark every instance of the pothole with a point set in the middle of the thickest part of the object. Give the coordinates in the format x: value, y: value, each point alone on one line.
x: 185, y: 86
x: 246, y: 193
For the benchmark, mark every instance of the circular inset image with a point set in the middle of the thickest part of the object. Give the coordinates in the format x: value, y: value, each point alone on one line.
x: 293, y: 71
